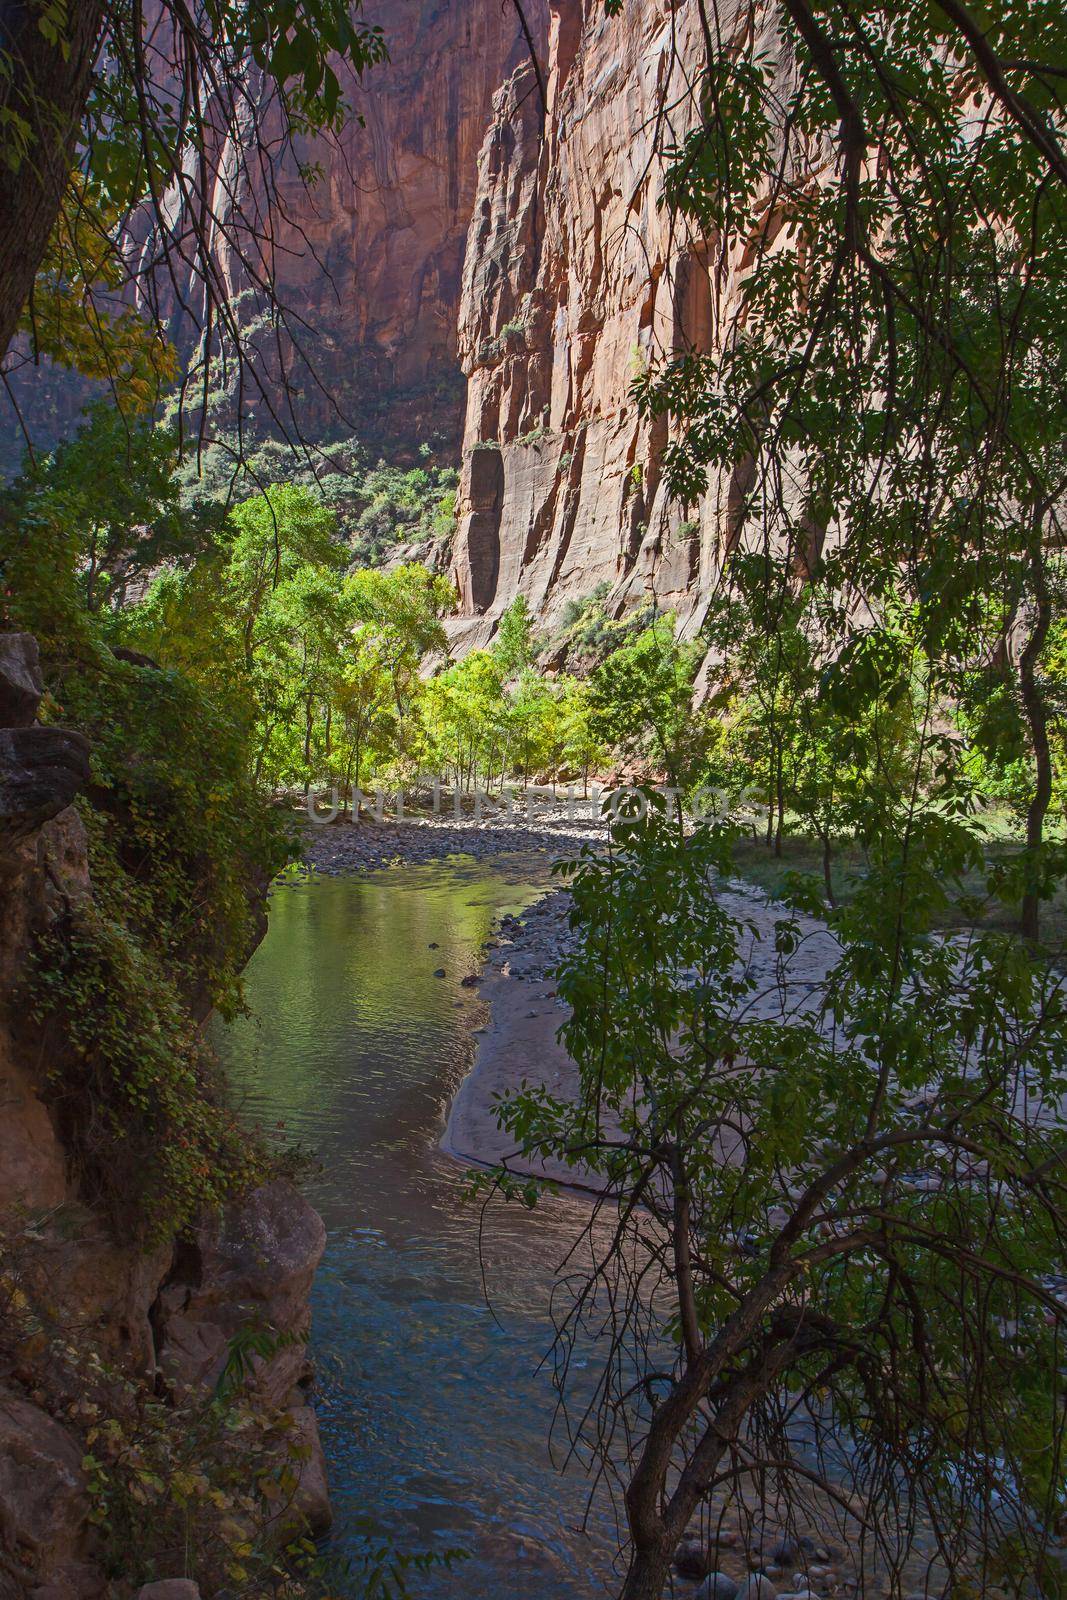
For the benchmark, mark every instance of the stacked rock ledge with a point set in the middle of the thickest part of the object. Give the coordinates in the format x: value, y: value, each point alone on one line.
x: 164, y: 1316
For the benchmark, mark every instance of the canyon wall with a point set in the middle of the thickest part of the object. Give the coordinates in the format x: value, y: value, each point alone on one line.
x: 88, y: 1315
x: 575, y: 280
x: 367, y: 259
x: 462, y: 228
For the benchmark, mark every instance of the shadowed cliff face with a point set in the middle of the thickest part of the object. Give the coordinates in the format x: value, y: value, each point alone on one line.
x: 575, y: 280
x: 368, y: 258
x: 460, y: 230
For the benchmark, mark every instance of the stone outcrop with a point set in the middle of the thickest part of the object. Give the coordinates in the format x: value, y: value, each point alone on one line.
x: 163, y: 1315
x: 251, y: 1267
x: 20, y: 680
x: 41, y: 768
x: 44, y: 1529
x: 575, y: 280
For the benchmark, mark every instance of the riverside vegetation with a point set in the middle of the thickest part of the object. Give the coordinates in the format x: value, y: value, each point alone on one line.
x: 843, y: 1219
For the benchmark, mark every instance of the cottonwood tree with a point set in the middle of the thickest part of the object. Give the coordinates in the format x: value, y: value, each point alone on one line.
x: 834, y: 1197
x: 825, y: 1265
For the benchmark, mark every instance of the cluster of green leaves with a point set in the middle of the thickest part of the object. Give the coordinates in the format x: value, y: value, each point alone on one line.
x: 322, y: 662
x: 642, y: 704
x: 850, y: 1202
x: 132, y: 1084
x: 493, y: 717
x: 181, y: 844
x: 883, y: 403
x: 341, y: 672
x: 378, y: 505
x: 78, y: 319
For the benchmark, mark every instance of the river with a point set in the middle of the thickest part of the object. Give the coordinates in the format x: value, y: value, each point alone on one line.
x: 429, y: 1329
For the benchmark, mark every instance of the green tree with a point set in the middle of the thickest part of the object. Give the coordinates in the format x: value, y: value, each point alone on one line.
x: 464, y: 719
x: 881, y: 404
x: 515, y: 644
x: 846, y: 1201
x: 580, y: 750
x: 365, y: 702
x: 642, y: 702
x: 275, y: 534
x: 831, y: 1263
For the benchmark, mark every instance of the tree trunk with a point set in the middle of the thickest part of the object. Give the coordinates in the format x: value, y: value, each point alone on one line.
x: 1037, y: 722
x: 647, y: 1576
x: 309, y: 723
x: 827, y: 873
x: 90, y: 576
x: 46, y: 86
x: 346, y: 797
x: 262, y: 754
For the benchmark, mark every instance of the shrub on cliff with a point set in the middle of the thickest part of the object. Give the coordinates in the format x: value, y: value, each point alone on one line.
x: 181, y: 848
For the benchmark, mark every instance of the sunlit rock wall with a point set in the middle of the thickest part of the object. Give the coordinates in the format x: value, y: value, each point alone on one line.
x: 576, y: 279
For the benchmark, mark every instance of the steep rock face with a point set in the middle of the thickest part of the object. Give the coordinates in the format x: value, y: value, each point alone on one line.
x: 250, y: 1267
x: 575, y: 280
x: 369, y: 257
x: 44, y: 1502
x: 162, y: 1314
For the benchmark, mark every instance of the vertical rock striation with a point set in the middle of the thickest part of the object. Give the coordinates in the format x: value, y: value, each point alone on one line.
x: 575, y: 279
x: 367, y: 259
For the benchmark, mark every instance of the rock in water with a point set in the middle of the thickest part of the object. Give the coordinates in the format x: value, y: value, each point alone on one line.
x: 691, y: 1558
x: 717, y: 1586
x: 170, y: 1589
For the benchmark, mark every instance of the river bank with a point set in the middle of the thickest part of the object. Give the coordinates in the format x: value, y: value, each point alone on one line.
x: 516, y: 1036
x: 516, y: 1040
x: 515, y: 1021
x: 344, y: 846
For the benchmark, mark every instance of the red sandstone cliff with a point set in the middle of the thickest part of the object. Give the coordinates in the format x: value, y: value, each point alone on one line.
x: 574, y: 280
x: 368, y: 258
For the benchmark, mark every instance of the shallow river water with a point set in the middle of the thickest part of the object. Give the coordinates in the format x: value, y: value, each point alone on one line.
x: 434, y: 1407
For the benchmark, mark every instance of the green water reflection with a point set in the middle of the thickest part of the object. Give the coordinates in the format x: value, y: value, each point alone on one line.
x: 435, y: 1417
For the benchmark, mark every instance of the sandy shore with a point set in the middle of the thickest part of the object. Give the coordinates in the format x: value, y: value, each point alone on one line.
x: 518, y: 1044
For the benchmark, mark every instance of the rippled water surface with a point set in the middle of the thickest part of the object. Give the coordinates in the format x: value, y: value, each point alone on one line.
x: 434, y: 1416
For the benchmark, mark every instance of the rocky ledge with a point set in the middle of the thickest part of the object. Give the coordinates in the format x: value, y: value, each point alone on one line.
x: 165, y: 1318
